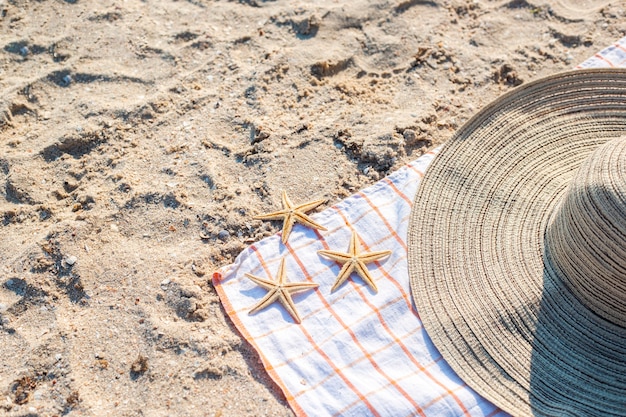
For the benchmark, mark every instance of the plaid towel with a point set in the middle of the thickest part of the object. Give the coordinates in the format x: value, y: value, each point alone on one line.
x: 356, y: 352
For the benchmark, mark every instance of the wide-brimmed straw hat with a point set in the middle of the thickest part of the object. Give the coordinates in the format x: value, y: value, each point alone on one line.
x: 517, y: 248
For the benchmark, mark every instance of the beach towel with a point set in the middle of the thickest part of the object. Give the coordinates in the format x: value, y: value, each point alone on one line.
x: 357, y: 351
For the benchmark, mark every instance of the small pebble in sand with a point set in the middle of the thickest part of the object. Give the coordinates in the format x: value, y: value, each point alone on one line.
x: 409, y: 135
x: 71, y: 260
x: 140, y: 366
x: 223, y: 235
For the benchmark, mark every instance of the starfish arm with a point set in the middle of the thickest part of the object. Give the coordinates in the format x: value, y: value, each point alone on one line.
x: 354, y: 244
x: 307, y: 221
x: 281, y: 277
x: 262, y: 282
x: 276, y: 215
x: 373, y: 256
x: 335, y: 256
x: 293, y: 287
x: 309, y: 206
x: 269, y: 298
x: 345, y: 272
x: 287, y: 226
x: 365, y: 274
x: 287, y: 204
x: 285, y: 299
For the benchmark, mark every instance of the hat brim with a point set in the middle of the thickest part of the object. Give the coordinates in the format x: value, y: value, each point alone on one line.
x: 498, y: 317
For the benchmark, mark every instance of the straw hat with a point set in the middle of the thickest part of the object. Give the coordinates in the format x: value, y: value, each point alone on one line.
x: 517, y: 248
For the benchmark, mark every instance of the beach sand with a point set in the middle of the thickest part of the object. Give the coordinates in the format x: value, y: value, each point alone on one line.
x: 138, y: 139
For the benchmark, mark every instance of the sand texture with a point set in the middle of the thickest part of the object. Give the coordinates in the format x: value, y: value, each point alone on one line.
x: 138, y: 139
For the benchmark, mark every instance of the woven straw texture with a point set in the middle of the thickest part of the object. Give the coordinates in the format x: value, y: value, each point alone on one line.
x: 585, y: 240
x: 512, y: 328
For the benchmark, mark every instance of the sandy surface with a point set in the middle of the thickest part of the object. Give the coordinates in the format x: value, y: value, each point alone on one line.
x: 138, y: 138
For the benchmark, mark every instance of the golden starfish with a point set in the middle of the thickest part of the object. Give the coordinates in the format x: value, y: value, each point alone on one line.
x: 354, y: 260
x: 292, y: 214
x: 280, y: 290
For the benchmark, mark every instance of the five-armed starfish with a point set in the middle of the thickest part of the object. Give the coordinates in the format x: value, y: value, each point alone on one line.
x: 280, y: 290
x: 354, y: 260
x: 292, y: 214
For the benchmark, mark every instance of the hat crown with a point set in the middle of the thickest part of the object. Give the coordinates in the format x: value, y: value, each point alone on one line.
x: 586, y: 236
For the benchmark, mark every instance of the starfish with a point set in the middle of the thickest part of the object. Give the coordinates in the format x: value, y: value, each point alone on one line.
x: 291, y: 214
x: 354, y: 260
x: 280, y: 290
